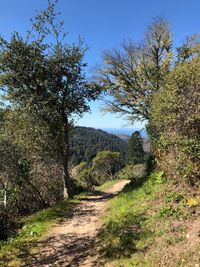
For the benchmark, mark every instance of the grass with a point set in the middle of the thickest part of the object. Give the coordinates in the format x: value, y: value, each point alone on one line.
x: 34, y: 228
x: 147, y: 225
x: 150, y: 223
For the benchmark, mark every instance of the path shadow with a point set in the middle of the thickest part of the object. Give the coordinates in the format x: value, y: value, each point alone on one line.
x: 98, y: 196
x: 70, y: 249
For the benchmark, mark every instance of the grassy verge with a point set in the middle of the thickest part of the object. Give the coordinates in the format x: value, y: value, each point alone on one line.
x: 19, y: 247
x: 151, y: 223
x: 34, y: 228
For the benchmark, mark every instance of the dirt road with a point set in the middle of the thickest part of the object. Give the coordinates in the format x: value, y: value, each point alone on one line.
x: 71, y: 242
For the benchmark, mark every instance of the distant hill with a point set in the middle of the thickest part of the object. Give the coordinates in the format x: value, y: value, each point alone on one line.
x: 86, y: 142
x: 124, y: 137
x: 125, y: 131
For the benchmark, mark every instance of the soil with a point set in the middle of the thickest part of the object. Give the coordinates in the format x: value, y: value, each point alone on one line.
x: 71, y: 242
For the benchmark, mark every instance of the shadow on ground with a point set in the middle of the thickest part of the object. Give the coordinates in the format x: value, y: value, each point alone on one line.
x: 70, y: 249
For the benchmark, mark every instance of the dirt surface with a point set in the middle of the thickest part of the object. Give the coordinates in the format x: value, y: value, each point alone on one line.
x: 71, y: 242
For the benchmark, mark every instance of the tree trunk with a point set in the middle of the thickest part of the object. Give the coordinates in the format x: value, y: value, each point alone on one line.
x: 68, y: 181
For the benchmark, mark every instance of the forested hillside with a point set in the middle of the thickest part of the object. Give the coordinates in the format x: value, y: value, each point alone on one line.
x: 86, y: 142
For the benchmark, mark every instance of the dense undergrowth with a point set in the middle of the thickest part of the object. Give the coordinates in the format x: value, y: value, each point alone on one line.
x: 151, y: 223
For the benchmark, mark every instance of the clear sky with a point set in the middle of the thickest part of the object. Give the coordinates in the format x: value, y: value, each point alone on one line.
x: 104, y: 24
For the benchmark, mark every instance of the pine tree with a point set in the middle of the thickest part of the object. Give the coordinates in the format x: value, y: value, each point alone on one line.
x: 135, y: 149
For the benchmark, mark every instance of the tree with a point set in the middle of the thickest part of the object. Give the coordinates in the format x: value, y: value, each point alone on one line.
x: 134, y: 72
x: 189, y: 49
x: 86, y: 142
x: 105, y: 164
x: 135, y: 149
x: 46, y: 78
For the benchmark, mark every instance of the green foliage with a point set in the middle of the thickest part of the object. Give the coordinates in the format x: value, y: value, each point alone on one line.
x: 135, y: 153
x: 167, y: 212
x: 175, y: 122
x: 86, y: 142
x: 46, y: 79
x: 160, y: 177
x: 132, y: 172
x: 189, y: 48
x: 174, y: 197
x: 104, y: 165
x: 35, y: 138
x: 81, y: 174
x: 100, y: 170
x: 128, y: 226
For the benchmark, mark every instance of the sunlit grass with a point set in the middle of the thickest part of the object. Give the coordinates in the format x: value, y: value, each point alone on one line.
x: 128, y: 231
x: 148, y: 218
x: 33, y: 229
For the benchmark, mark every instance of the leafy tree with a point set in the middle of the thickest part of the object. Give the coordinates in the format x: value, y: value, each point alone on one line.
x: 46, y: 78
x: 105, y: 164
x: 82, y: 175
x: 135, y: 153
x: 101, y: 169
x: 134, y: 72
x: 32, y: 135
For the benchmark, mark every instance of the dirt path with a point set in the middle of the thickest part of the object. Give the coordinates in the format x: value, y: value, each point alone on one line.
x: 71, y: 242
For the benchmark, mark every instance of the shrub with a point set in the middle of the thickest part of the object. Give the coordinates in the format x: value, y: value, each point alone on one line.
x: 175, y: 125
x: 132, y: 172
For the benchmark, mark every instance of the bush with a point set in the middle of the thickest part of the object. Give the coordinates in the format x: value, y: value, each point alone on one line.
x: 101, y: 169
x: 132, y: 172
x: 175, y: 126
x: 81, y: 175
x: 25, y: 186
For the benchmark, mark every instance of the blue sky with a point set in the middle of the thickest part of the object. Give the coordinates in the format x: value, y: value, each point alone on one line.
x: 104, y: 24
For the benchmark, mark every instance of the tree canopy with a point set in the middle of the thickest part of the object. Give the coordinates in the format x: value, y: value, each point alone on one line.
x: 132, y: 73
x: 135, y: 152
x: 46, y: 78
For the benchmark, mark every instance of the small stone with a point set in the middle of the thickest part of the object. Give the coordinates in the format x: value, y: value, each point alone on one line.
x: 197, y: 265
x: 187, y: 236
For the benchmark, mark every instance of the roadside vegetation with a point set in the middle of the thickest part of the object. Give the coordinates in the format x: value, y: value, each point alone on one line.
x: 152, y: 222
x: 31, y: 229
